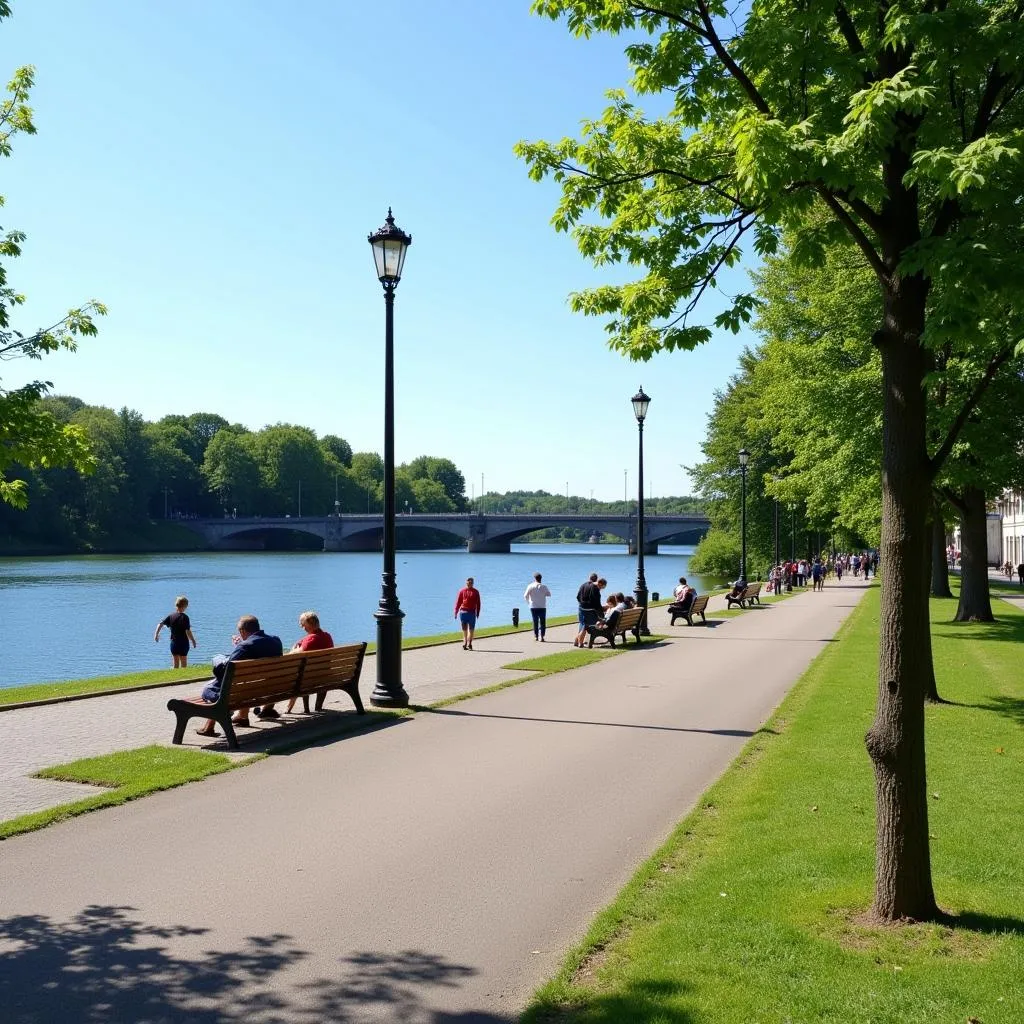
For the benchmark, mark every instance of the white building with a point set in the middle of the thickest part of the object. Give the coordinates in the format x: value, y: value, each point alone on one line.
x: 1010, y: 505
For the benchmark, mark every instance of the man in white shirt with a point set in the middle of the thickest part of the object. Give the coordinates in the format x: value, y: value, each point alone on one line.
x: 537, y: 595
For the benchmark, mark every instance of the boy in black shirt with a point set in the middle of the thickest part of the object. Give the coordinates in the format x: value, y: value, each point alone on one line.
x: 181, y: 632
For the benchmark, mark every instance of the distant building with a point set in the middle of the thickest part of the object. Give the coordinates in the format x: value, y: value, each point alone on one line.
x: 997, y: 529
x: 1010, y: 507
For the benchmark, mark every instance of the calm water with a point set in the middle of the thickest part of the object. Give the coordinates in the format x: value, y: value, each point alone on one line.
x: 95, y: 615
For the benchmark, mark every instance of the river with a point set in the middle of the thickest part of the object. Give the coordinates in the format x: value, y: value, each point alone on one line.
x: 64, y: 618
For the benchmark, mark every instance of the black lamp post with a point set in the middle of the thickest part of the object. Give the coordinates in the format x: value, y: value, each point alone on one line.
x: 792, y: 533
x: 776, y: 479
x: 640, y: 404
x: 390, y: 244
x: 744, y: 459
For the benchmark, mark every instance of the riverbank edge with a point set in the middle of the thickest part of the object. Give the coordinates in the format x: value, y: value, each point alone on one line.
x: 409, y: 644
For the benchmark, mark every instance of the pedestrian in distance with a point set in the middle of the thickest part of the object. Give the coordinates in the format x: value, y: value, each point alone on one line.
x: 180, y: 626
x: 1020, y: 573
x: 536, y: 595
x: 590, y: 609
x: 467, y: 611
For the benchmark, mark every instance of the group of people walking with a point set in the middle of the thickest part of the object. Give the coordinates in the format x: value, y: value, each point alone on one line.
x: 797, y: 572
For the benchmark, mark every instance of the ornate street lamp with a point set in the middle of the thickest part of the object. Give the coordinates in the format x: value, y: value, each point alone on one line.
x: 744, y: 459
x: 640, y: 404
x: 390, y: 244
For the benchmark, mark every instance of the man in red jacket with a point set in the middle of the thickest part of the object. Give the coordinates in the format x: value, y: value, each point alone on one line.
x: 467, y: 611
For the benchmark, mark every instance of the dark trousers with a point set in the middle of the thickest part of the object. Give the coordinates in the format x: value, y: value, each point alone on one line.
x: 540, y: 621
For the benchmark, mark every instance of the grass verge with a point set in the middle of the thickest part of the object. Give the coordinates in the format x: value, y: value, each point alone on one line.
x: 749, y: 913
x: 128, y: 775
x: 102, y: 684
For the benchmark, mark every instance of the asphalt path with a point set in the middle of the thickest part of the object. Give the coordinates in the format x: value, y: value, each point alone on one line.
x: 434, y: 870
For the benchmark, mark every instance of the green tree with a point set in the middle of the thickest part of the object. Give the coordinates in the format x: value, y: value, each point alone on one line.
x: 29, y: 434
x: 445, y: 472
x: 232, y: 472
x: 898, y: 120
x: 337, y: 447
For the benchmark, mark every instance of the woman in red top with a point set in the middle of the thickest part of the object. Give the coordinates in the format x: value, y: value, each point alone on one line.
x: 315, y: 639
x: 467, y: 610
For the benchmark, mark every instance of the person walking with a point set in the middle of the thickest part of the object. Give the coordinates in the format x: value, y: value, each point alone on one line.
x: 537, y: 595
x: 467, y: 611
x: 588, y: 600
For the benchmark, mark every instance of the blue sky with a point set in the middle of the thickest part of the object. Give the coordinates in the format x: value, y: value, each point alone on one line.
x: 210, y: 170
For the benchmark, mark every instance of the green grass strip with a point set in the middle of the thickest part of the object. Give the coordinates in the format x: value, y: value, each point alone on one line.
x: 750, y: 913
x: 129, y: 775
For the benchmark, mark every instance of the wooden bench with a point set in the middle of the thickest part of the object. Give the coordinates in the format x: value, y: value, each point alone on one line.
x: 750, y: 593
x: 687, y: 610
x: 618, y: 624
x: 262, y: 681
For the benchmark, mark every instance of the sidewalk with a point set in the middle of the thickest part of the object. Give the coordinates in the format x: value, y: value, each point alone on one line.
x: 35, y: 738
x: 432, y: 871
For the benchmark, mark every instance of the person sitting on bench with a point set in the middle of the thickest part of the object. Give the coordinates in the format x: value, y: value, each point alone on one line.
x: 737, y: 588
x: 250, y: 642
x: 684, y: 594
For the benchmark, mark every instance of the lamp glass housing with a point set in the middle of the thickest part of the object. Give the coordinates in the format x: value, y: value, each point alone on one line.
x: 640, y: 404
x: 744, y: 456
x: 390, y: 244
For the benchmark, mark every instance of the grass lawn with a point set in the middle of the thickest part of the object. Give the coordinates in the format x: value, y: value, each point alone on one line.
x: 98, y: 684
x: 128, y: 774
x: 750, y: 913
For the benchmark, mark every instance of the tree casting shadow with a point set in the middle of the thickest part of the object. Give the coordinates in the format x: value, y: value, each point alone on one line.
x: 638, y: 1002
x: 107, y: 965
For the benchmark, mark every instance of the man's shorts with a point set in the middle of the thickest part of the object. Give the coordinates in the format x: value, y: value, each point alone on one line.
x: 468, y: 619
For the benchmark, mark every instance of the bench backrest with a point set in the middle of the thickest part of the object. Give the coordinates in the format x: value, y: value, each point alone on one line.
x: 336, y: 666
x: 262, y: 680
x: 753, y: 589
x: 699, y: 604
x: 630, y: 618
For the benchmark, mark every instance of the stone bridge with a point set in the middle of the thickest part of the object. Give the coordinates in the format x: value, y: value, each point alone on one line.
x: 481, y: 533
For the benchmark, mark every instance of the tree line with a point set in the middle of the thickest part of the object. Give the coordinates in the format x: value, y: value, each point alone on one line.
x: 200, y: 465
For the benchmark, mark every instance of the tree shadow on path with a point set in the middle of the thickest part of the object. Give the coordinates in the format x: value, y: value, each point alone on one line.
x: 105, y: 965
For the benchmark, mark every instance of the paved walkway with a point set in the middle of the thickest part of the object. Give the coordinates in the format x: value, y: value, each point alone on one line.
x: 35, y: 738
x: 432, y: 872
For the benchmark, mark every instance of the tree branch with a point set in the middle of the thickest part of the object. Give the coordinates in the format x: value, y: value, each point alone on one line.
x: 848, y: 29
x: 856, y: 233
x: 970, y: 403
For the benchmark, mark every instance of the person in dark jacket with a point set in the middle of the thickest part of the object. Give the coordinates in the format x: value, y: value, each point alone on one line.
x: 250, y: 642
x: 588, y: 599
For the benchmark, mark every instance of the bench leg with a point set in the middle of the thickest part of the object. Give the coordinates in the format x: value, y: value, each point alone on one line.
x: 353, y: 692
x: 181, y: 722
x: 229, y: 732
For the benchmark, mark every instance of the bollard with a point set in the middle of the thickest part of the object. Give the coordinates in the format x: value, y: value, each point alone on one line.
x: 515, y: 617
x: 655, y: 596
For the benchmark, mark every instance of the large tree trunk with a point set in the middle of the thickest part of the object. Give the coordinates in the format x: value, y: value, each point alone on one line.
x: 895, y: 741
x: 940, y: 563
x: 975, y: 605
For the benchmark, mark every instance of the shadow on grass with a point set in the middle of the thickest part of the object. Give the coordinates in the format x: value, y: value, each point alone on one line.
x: 638, y: 1002
x: 1010, y: 707
x: 1011, y: 629
x: 117, y: 967
x: 455, y: 712
x: 986, y: 924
